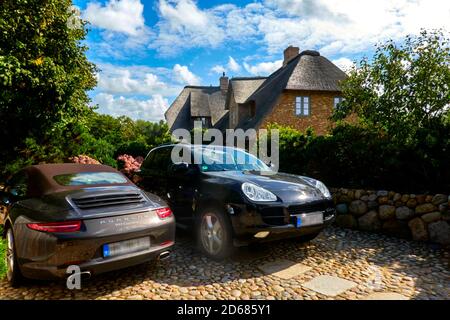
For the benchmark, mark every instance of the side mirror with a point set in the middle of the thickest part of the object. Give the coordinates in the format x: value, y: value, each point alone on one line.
x: 270, y: 165
x: 179, y: 168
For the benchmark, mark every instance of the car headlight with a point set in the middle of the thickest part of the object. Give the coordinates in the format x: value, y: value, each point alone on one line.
x: 319, y: 185
x: 256, y: 193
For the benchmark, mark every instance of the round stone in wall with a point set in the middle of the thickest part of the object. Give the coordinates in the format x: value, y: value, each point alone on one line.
x: 369, y: 221
x: 418, y: 229
x: 386, y: 212
x: 438, y: 199
x: 439, y: 232
x: 358, y: 207
x: 404, y: 213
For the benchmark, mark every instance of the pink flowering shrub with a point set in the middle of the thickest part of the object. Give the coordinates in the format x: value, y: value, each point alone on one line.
x: 83, y: 159
x: 129, y: 164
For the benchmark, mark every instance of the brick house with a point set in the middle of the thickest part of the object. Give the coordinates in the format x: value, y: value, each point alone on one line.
x: 301, y: 94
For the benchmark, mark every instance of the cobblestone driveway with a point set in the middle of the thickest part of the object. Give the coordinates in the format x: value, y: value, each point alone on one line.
x: 339, y: 264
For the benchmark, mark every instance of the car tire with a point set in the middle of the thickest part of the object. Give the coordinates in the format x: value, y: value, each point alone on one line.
x: 308, y: 237
x: 214, y: 234
x: 13, y: 274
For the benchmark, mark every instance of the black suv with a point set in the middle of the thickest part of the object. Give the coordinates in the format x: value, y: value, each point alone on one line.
x: 231, y: 202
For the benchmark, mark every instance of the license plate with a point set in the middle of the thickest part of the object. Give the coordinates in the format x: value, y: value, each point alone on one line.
x: 309, y: 219
x: 124, y: 247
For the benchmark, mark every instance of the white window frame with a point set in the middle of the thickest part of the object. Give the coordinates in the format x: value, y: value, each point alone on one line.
x: 336, y: 101
x: 302, y: 106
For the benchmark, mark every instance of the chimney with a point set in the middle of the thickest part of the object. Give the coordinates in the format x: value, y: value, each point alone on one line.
x: 290, y: 53
x: 224, y: 84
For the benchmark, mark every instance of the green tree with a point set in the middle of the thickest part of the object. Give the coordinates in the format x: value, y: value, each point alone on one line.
x: 405, y: 88
x: 44, y: 74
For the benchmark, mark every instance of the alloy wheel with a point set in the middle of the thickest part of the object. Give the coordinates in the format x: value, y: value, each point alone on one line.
x: 9, y: 254
x: 212, y: 233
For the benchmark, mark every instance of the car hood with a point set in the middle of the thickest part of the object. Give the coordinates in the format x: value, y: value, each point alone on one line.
x: 288, y: 187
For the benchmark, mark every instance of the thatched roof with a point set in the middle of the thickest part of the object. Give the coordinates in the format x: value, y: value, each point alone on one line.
x: 196, y: 101
x: 308, y: 71
x: 244, y: 87
x: 314, y: 72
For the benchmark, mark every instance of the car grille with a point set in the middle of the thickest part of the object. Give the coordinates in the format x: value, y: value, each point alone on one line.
x: 274, y: 216
x: 107, y: 200
x: 320, y: 205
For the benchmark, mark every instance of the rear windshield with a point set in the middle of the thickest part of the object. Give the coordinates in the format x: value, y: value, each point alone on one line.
x: 89, y: 178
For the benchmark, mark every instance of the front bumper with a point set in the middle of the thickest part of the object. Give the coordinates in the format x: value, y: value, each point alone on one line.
x: 277, y: 219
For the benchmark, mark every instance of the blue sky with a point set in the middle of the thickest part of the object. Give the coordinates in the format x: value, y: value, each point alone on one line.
x: 147, y: 50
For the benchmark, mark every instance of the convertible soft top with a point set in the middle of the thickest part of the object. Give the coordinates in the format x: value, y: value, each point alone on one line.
x: 41, y: 182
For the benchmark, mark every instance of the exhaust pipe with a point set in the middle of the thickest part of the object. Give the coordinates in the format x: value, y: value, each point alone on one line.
x: 84, y: 275
x: 164, y: 255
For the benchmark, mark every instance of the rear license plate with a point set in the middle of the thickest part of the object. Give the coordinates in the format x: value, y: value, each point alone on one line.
x: 124, y: 247
x: 309, y: 219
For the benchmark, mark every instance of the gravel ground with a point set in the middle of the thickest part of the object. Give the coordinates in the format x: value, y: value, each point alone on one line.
x: 374, y: 263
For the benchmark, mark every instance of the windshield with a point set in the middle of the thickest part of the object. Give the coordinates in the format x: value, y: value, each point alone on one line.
x: 227, y: 159
x: 89, y: 178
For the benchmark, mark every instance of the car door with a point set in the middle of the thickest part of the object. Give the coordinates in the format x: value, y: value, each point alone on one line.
x: 182, y: 188
x: 154, y: 171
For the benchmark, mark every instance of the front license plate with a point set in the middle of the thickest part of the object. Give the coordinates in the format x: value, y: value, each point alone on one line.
x: 127, y: 246
x: 309, y: 219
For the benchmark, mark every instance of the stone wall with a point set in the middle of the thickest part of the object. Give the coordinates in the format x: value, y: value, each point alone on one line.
x: 419, y: 217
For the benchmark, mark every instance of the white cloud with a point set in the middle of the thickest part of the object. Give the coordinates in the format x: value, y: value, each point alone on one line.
x: 233, y: 65
x: 183, y: 25
x: 152, y: 109
x: 263, y: 68
x: 336, y: 26
x: 184, y: 76
x: 124, y: 16
x: 136, y: 80
x: 218, y: 69
x: 331, y: 26
x: 344, y: 64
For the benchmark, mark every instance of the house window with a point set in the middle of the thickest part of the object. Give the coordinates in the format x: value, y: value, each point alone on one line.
x: 336, y: 102
x: 204, y: 120
x: 302, y: 106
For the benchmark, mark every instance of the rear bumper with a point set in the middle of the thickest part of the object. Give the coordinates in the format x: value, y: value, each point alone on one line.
x: 47, y: 256
x: 249, y: 220
x: 95, y: 266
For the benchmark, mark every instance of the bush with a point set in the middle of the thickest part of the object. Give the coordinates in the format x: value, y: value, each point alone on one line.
x: 134, y: 148
x: 83, y: 159
x: 129, y: 165
x: 358, y: 157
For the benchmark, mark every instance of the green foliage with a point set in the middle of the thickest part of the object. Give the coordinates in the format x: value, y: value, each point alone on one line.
x: 291, y: 139
x: 44, y: 76
x: 98, y: 136
x: 44, y: 79
x: 405, y: 88
x: 358, y: 157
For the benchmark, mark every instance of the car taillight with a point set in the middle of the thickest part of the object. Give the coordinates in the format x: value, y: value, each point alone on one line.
x: 164, y: 213
x: 67, y: 226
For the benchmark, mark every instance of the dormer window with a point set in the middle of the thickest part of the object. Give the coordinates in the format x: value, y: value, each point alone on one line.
x: 302, y: 106
x: 206, y: 123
